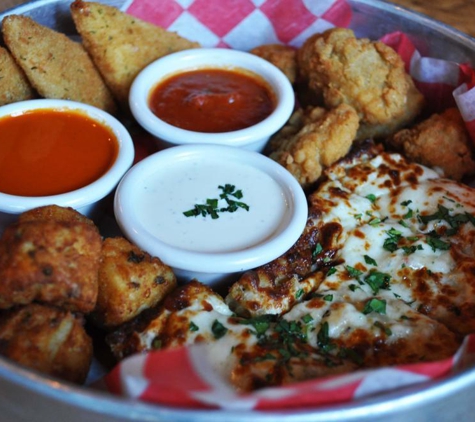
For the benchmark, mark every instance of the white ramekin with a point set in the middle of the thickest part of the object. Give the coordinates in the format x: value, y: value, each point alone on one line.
x: 207, y: 266
x: 253, y: 138
x: 88, y: 199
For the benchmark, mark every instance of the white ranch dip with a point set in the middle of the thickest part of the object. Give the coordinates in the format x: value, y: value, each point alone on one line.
x: 171, y: 190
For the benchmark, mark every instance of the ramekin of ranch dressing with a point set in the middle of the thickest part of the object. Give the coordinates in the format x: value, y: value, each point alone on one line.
x: 210, y: 211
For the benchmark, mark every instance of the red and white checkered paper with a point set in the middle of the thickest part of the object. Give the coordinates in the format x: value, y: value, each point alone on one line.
x: 185, y: 376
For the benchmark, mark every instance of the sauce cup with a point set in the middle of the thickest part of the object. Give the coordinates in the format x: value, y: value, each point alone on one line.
x: 88, y: 198
x: 253, y: 137
x: 179, y: 204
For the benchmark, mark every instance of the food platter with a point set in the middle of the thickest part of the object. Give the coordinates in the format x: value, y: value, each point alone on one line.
x: 28, y: 396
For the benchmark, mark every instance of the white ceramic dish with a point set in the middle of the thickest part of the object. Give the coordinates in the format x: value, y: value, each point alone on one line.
x: 253, y: 138
x: 89, y: 199
x: 152, y: 197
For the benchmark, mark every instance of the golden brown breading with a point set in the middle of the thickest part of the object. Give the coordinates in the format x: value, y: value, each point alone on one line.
x: 56, y: 66
x: 282, y: 56
x: 314, y: 139
x: 54, y: 262
x: 441, y: 141
x: 368, y: 75
x: 54, y: 212
x: 122, y: 45
x: 48, y: 340
x: 130, y: 281
x: 14, y: 85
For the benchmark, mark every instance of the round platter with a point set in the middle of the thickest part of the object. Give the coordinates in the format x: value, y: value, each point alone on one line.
x: 28, y: 396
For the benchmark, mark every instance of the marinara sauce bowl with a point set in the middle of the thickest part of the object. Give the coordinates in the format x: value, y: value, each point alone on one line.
x: 253, y: 137
x: 42, y: 173
x: 210, y: 211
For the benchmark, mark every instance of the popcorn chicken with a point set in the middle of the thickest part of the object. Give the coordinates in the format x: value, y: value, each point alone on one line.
x: 52, y: 262
x: 441, y: 141
x: 314, y: 139
x: 14, y: 85
x: 367, y: 75
x: 48, y: 340
x: 56, y: 66
x: 130, y: 281
x: 282, y: 56
x: 122, y: 45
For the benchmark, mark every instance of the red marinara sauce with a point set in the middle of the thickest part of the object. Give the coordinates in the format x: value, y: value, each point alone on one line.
x: 49, y: 152
x: 212, y: 100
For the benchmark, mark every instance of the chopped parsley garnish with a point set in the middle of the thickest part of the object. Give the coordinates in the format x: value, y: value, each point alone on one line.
x: 307, y: 318
x: 370, y: 261
x: 323, y: 338
x: 375, y: 305
x: 331, y: 271
x: 211, y: 206
x: 218, y: 329
x: 435, y: 243
x: 371, y: 197
x: 193, y: 326
x: 299, y: 293
x: 353, y: 272
x: 318, y: 249
x: 391, y: 243
x: 377, y: 280
x: 328, y: 298
x: 383, y: 328
x: 260, y: 323
x: 406, y: 203
x: 443, y: 214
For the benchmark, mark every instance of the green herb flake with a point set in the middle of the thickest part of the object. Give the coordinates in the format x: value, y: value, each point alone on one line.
x: 218, y: 329
x: 353, y: 272
x: 193, y: 326
x: 307, y: 318
x: 323, y: 338
x: 331, y: 271
x: 371, y: 197
x: 369, y: 260
x: 377, y: 280
x: 375, y: 305
x: 383, y: 328
x: 328, y: 298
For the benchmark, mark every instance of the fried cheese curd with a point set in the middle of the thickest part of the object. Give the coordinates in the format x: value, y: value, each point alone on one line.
x: 313, y: 139
x: 440, y: 142
x: 130, y: 281
x: 282, y: 56
x: 47, y: 339
x: 368, y: 75
x: 53, y: 261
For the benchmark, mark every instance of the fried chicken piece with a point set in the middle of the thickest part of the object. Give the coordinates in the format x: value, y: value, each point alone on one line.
x: 367, y: 75
x: 122, y: 45
x: 53, y: 262
x: 282, y: 56
x: 56, y: 213
x: 56, y: 66
x: 130, y: 281
x: 14, y: 85
x: 314, y: 139
x: 441, y: 141
x: 48, y: 340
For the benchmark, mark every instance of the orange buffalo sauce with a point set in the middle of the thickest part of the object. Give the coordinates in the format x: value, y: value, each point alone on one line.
x: 48, y: 152
x: 212, y: 100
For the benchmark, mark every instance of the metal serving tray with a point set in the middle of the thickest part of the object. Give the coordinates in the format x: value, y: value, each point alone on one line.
x: 29, y: 396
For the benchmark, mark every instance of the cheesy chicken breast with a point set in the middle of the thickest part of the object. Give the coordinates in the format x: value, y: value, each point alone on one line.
x: 382, y: 275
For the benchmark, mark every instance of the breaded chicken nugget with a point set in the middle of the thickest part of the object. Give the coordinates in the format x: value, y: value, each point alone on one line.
x: 282, y: 56
x: 48, y: 340
x: 56, y: 66
x: 441, y: 141
x: 14, y: 85
x: 314, y: 139
x: 122, y: 45
x: 130, y: 281
x: 53, y: 262
x: 367, y: 75
x: 54, y: 212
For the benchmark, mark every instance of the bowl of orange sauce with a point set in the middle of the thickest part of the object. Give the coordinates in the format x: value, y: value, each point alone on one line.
x: 212, y: 96
x: 59, y: 152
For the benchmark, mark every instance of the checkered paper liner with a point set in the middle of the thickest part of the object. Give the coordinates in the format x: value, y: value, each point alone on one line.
x: 184, y: 376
